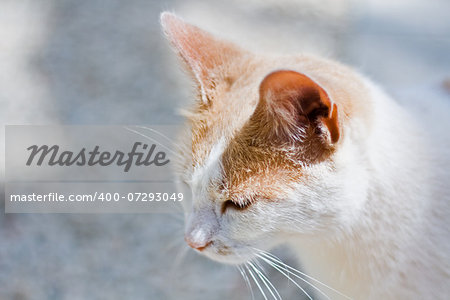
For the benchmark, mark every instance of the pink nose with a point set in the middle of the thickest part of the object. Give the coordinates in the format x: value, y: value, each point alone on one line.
x: 198, y: 245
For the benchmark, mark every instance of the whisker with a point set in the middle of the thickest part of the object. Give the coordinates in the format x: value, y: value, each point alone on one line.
x: 261, y: 267
x: 290, y: 279
x: 155, y: 141
x: 175, y: 243
x: 276, y: 266
x: 278, y: 260
x: 247, y: 281
x: 157, y: 132
x: 161, y: 135
x: 180, y: 256
x: 266, y: 282
x: 256, y: 281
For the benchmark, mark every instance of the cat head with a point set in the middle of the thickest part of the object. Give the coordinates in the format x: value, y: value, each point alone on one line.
x: 271, y: 150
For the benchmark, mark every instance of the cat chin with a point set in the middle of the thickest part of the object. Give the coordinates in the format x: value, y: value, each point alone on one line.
x: 229, y: 257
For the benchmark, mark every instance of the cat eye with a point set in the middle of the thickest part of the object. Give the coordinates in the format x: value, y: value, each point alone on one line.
x: 230, y: 204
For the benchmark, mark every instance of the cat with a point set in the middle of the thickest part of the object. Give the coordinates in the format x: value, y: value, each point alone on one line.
x: 304, y: 151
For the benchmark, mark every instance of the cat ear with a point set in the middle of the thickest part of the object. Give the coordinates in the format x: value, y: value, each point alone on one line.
x: 205, y: 55
x: 290, y: 102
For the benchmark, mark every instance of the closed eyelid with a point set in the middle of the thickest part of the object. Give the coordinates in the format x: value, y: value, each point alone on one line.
x: 239, y: 206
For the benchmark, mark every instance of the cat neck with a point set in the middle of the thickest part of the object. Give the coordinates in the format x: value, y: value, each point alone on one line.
x: 369, y: 258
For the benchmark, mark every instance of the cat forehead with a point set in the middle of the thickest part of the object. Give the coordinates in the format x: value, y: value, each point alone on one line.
x: 215, y: 128
x: 228, y: 163
x: 210, y: 168
x: 219, y: 153
x: 229, y: 110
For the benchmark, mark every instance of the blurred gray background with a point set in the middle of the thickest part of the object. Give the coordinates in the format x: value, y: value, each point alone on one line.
x: 106, y: 62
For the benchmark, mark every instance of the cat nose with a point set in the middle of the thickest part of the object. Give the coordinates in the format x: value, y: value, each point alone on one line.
x: 197, y: 240
x: 195, y: 245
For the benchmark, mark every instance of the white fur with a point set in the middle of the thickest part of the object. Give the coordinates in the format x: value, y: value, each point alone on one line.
x: 395, y: 244
x: 202, y: 223
x: 209, y: 170
x: 371, y: 220
x: 373, y: 224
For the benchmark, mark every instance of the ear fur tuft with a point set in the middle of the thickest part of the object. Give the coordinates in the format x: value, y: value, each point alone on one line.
x: 290, y: 102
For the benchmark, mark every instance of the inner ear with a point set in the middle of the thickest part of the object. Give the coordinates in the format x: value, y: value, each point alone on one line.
x: 291, y: 101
